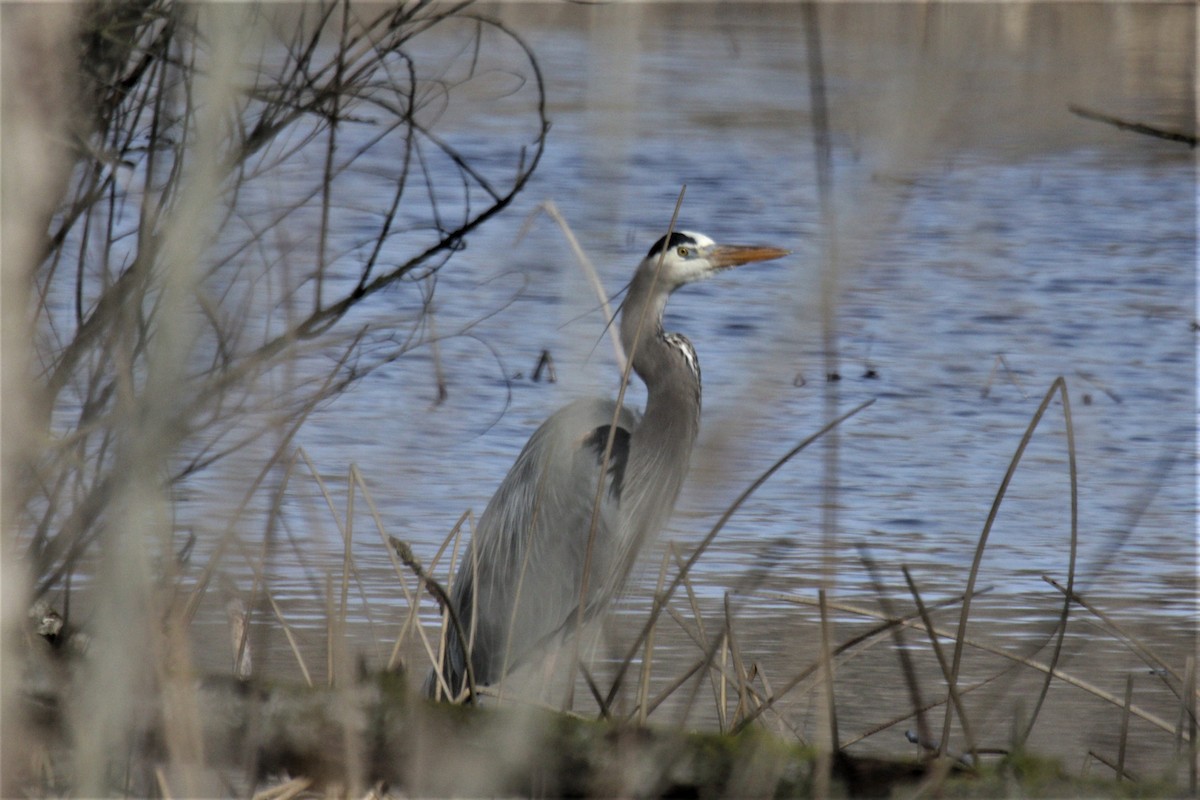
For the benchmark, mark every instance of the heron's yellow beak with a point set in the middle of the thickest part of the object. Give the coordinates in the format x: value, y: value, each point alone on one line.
x: 724, y: 256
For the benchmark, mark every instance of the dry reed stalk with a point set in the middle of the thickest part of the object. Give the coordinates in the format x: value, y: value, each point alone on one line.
x: 906, y: 663
x: 951, y: 687
x: 1001, y: 361
x: 449, y: 539
x: 336, y: 616
x: 356, y: 478
x: 1073, y: 475
x: 1059, y: 385
x: 875, y: 633
x: 291, y: 638
x: 452, y: 540
x: 1181, y: 720
x: 284, y: 791
x: 928, y: 706
x: 716, y: 529
x: 718, y: 670
x: 182, y: 719
x: 289, y: 433
x: 589, y: 270
x: 330, y: 622
x: 163, y: 788
x: 648, y: 654
x: 1190, y: 704
x: 413, y: 601
x: 702, y: 635
x: 739, y: 668
x: 679, y: 681
x: 39, y: 111
x: 1112, y: 765
x: 723, y: 700
x: 1067, y: 678
x: 827, y: 735
x: 347, y: 555
x: 1135, y: 127
x: 597, y: 695
x: 761, y: 671
x: 474, y: 595
x: 827, y: 675
x: 1124, y: 737
x: 259, y: 579
x: 409, y: 559
x: 1158, y: 665
x: 257, y: 564
x: 823, y: 161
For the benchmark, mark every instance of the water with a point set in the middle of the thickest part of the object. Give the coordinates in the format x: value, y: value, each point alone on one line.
x: 988, y: 242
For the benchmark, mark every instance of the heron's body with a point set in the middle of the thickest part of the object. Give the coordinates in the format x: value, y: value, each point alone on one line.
x: 520, y: 582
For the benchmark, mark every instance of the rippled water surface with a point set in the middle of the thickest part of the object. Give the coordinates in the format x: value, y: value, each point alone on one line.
x: 987, y: 241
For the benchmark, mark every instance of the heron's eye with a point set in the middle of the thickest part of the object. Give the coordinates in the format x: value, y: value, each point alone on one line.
x: 683, y: 252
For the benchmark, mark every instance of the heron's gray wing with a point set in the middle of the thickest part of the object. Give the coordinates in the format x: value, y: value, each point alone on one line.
x: 520, y: 579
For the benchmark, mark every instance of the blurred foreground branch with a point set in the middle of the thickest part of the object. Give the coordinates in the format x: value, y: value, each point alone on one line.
x: 337, y: 173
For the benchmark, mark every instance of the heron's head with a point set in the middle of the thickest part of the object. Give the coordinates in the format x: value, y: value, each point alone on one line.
x: 687, y: 256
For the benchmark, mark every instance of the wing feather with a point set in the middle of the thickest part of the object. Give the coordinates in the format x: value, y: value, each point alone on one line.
x: 531, y: 540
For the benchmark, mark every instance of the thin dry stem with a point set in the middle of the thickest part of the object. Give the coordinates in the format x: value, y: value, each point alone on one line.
x: 960, y: 637
x: 951, y: 687
x: 1124, y: 737
x: 739, y: 669
x: 1158, y: 665
x: 827, y: 676
x: 716, y: 529
x: 589, y: 270
x: 1067, y: 678
x: 648, y: 654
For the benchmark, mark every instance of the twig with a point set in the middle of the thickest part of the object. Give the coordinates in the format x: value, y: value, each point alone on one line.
x: 1134, y: 127
x: 1000, y: 361
x: 1112, y: 766
x: 545, y: 362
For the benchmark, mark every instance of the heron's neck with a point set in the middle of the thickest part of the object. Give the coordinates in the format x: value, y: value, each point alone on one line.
x: 660, y: 445
x: 667, y: 364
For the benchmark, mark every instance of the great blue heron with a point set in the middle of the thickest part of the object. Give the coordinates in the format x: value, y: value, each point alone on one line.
x: 519, y: 584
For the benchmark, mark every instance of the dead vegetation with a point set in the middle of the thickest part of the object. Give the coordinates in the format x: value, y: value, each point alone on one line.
x: 168, y: 316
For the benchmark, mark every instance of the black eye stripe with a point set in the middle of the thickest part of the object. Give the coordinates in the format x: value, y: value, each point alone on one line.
x: 677, y: 239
